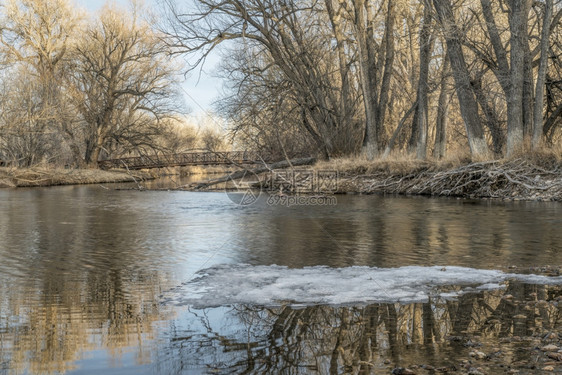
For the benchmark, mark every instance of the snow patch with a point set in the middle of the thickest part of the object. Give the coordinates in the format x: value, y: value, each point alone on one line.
x: 276, y: 285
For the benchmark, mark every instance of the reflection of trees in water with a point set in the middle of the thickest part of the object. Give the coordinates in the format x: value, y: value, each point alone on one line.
x: 383, y: 232
x: 85, y: 284
x: 334, y: 340
x: 45, y: 333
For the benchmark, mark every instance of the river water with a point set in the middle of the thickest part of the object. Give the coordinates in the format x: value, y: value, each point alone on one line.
x: 94, y: 279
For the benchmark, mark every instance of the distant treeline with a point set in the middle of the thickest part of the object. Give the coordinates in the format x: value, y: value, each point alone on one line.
x: 325, y: 77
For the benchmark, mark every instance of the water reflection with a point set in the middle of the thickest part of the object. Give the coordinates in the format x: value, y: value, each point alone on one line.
x: 82, y: 269
x: 46, y: 325
x: 245, y: 339
x: 393, y: 232
x: 72, y: 281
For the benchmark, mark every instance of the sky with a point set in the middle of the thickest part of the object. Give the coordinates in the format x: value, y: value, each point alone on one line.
x: 199, y: 90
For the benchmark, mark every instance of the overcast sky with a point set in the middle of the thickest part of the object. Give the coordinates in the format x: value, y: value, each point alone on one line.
x: 199, y: 95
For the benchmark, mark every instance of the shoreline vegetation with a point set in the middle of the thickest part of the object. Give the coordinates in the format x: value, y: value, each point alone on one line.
x: 536, y: 177
x: 45, y: 176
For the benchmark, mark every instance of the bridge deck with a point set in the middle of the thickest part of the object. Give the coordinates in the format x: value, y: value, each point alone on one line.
x: 189, y: 158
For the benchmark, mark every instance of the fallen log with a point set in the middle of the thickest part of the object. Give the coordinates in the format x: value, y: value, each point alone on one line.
x: 242, y: 173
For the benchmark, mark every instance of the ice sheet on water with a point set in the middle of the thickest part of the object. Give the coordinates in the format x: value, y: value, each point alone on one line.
x: 274, y: 285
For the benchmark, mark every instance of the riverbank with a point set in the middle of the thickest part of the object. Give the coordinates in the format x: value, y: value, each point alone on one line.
x: 43, y: 176
x: 537, y: 177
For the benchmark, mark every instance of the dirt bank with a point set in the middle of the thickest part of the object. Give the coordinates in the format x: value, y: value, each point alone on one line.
x: 43, y: 176
x: 538, y: 178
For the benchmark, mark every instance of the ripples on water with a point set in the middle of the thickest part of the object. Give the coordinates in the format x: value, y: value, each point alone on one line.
x: 82, y: 270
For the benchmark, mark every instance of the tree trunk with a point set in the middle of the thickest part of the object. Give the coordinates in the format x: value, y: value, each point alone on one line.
x: 368, y: 77
x: 502, y: 71
x: 541, y: 76
x: 388, y: 66
x: 468, y: 105
x: 425, y: 57
x: 95, y: 155
x: 551, y: 122
x: 392, y: 140
x: 414, y: 135
x: 346, y: 104
x: 515, y: 116
x: 528, y: 88
x: 492, y: 121
x: 440, y: 148
x: 320, y: 144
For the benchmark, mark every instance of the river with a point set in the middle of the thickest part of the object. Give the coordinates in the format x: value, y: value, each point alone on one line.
x: 99, y: 280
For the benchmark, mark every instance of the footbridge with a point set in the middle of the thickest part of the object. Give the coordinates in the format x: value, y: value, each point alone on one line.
x: 185, y: 159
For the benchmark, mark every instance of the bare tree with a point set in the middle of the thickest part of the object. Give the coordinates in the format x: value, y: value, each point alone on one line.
x: 263, y: 109
x: 421, y: 114
x: 467, y: 102
x: 176, y: 136
x: 25, y: 139
x: 35, y: 37
x: 541, y: 75
x: 122, y: 84
x: 38, y: 34
x: 519, y: 12
x: 336, y: 12
x: 212, y: 140
x: 289, y: 38
x: 440, y: 148
x: 375, y: 95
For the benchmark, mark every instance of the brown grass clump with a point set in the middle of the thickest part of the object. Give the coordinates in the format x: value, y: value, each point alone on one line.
x: 550, y: 158
x: 361, y: 166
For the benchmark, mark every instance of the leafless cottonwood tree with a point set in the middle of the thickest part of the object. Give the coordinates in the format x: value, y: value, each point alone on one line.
x: 290, y: 33
x: 467, y: 101
x: 538, y: 109
x: 261, y: 105
x: 25, y: 138
x: 516, y: 116
x: 421, y: 113
x: 35, y: 37
x: 76, y: 86
x: 508, y: 47
x: 121, y: 84
x: 375, y: 67
x: 440, y: 149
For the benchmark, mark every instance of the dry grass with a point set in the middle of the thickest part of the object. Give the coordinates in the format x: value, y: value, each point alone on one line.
x: 545, y: 157
x: 44, y: 176
x: 400, y: 164
x: 534, y: 176
x: 396, y: 165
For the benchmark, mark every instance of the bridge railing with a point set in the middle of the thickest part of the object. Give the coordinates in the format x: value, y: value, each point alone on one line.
x: 185, y: 159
